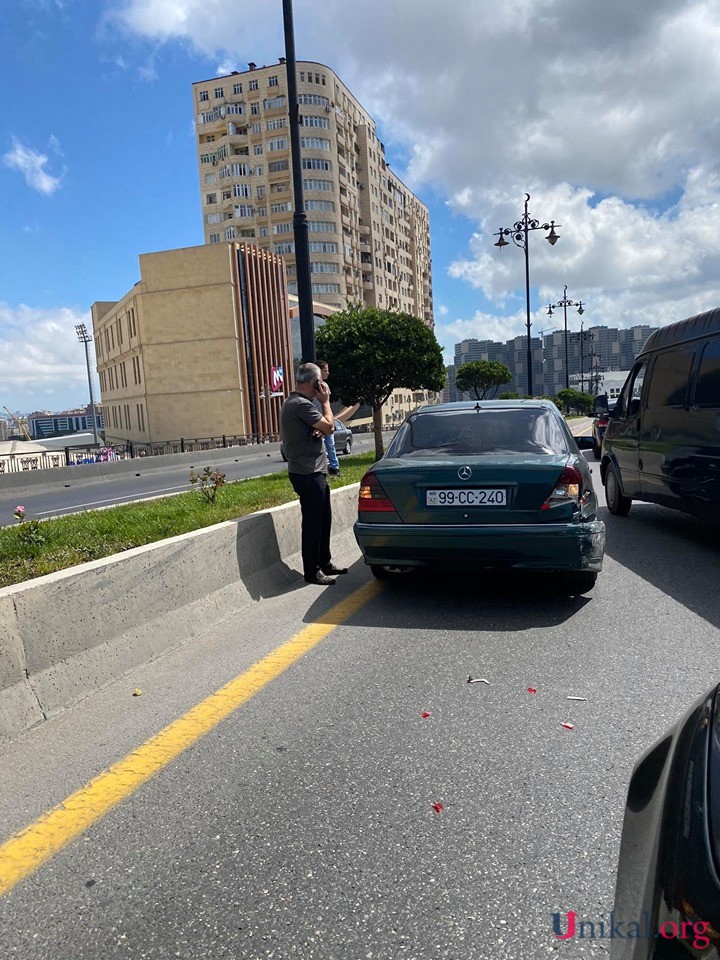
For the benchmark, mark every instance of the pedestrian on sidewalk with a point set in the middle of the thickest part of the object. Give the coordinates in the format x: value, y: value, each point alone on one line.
x: 302, y: 429
x: 333, y: 462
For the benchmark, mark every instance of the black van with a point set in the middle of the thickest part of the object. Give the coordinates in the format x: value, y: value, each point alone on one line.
x: 662, y: 441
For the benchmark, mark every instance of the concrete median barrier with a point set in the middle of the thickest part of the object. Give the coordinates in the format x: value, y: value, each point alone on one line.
x: 64, y: 635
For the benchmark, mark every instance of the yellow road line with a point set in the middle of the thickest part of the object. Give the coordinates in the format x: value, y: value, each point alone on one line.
x: 27, y: 850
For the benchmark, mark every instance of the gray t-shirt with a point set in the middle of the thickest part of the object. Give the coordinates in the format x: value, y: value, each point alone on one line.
x: 305, y: 453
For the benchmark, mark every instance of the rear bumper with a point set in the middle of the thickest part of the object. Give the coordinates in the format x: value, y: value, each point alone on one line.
x: 556, y: 546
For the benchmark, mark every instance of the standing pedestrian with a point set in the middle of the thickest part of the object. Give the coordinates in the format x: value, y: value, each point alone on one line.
x: 302, y: 429
x: 333, y: 462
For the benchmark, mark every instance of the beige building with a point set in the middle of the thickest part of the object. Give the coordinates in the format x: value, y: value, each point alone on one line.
x: 369, y: 235
x: 190, y: 351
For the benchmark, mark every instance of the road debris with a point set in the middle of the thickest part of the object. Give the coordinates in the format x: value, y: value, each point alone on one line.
x: 531, y: 690
x: 567, y: 726
x: 425, y: 714
x: 478, y: 680
x: 137, y: 692
x: 437, y: 807
x: 583, y: 699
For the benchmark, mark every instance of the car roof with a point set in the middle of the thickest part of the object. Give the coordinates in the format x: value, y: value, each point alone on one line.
x: 536, y: 404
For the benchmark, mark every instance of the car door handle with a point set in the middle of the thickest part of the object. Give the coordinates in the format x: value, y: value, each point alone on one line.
x: 640, y: 464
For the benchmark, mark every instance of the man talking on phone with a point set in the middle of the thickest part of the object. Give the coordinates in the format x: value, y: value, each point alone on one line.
x: 302, y: 428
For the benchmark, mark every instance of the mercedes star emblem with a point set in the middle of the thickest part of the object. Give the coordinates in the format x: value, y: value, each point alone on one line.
x: 464, y: 473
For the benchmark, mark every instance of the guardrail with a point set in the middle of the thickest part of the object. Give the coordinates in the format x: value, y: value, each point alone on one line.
x: 77, y: 456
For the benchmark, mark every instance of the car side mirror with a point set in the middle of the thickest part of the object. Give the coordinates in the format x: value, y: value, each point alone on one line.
x: 585, y: 443
x: 634, y: 407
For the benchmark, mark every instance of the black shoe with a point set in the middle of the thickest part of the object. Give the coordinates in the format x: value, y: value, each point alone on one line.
x: 335, y: 571
x: 333, y: 471
x: 320, y: 579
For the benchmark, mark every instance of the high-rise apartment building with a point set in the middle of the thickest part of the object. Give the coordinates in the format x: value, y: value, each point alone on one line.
x: 369, y: 235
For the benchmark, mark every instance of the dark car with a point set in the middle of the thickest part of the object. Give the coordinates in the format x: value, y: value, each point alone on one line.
x: 489, y: 485
x: 599, y: 425
x: 662, y: 442
x: 343, y: 439
x: 668, y: 887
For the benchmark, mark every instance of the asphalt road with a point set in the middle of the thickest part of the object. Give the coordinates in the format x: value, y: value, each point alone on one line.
x: 302, y: 825
x: 152, y: 480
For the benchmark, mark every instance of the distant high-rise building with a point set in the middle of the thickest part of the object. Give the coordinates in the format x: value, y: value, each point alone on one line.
x: 369, y: 235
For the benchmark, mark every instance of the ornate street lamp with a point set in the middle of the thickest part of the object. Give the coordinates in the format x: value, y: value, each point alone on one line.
x: 519, y: 232
x: 565, y: 303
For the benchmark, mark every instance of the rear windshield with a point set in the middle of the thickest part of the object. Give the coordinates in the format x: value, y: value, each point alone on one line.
x: 463, y: 433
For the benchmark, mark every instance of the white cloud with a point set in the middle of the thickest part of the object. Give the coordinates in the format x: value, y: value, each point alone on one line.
x: 226, y: 67
x: 40, y: 352
x: 31, y: 165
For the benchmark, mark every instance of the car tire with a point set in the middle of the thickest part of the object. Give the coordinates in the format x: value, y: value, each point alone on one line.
x: 348, y: 445
x: 380, y: 573
x: 618, y: 504
x: 583, y: 581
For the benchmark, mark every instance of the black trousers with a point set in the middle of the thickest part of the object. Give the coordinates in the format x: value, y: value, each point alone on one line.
x: 316, y: 515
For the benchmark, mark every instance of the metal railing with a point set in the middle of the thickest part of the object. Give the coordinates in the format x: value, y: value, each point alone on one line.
x: 78, y: 456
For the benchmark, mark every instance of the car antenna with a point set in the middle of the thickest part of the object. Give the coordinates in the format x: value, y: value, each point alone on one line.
x: 477, y: 408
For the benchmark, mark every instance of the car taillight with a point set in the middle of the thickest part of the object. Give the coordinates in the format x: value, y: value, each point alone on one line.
x: 372, y: 498
x: 603, y: 421
x: 568, y: 487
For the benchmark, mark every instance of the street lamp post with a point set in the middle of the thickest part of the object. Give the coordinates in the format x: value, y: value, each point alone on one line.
x: 300, y: 224
x: 565, y: 303
x: 581, y: 338
x: 519, y: 232
x: 84, y: 337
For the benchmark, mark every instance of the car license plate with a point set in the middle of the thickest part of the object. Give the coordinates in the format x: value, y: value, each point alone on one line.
x: 467, y: 497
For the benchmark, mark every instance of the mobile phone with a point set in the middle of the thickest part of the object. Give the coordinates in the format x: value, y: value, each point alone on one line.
x: 318, y: 384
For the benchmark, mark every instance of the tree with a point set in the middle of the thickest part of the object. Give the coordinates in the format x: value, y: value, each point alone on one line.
x: 482, y: 378
x: 509, y: 395
x: 372, y: 352
x: 581, y: 402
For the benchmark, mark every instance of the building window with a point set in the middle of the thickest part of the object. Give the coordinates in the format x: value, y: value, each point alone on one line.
x: 272, y: 81
x: 261, y: 211
x: 243, y: 210
x: 279, y: 143
x: 210, y: 178
x: 276, y: 166
x: 314, y: 143
x: 219, y: 93
x: 240, y: 169
x: 313, y: 163
x: 316, y: 122
x: 322, y: 266
x: 286, y: 246
x: 204, y: 95
x: 260, y: 191
x: 214, y: 238
x: 323, y: 246
x: 317, y: 185
x: 242, y: 190
x: 326, y: 288
x: 214, y: 218
x: 274, y: 103
x: 211, y: 198
x: 282, y: 228
x: 229, y: 233
x: 258, y: 149
x: 263, y: 231
x: 253, y: 85
x: 281, y: 207
x: 237, y: 88
x: 320, y: 205
x: 315, y: 99
x: 275, y: 124
x: 321, y: 226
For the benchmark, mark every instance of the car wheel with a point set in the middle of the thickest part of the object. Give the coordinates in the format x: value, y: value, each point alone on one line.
x: 348, y: 445
x: 381, y: 573
x: 583, y: 581
x: 617, y: 504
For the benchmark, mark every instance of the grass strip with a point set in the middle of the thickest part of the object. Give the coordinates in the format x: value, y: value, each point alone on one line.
x: 66, y: 541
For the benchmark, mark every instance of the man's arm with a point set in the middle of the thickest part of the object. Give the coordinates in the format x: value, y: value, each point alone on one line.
x: 326, y: 424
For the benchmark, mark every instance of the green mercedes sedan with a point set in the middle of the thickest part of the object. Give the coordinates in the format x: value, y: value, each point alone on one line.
x: 497, y: 484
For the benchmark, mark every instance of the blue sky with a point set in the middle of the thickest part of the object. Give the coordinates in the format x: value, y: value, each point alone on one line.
x: 97, y: 158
